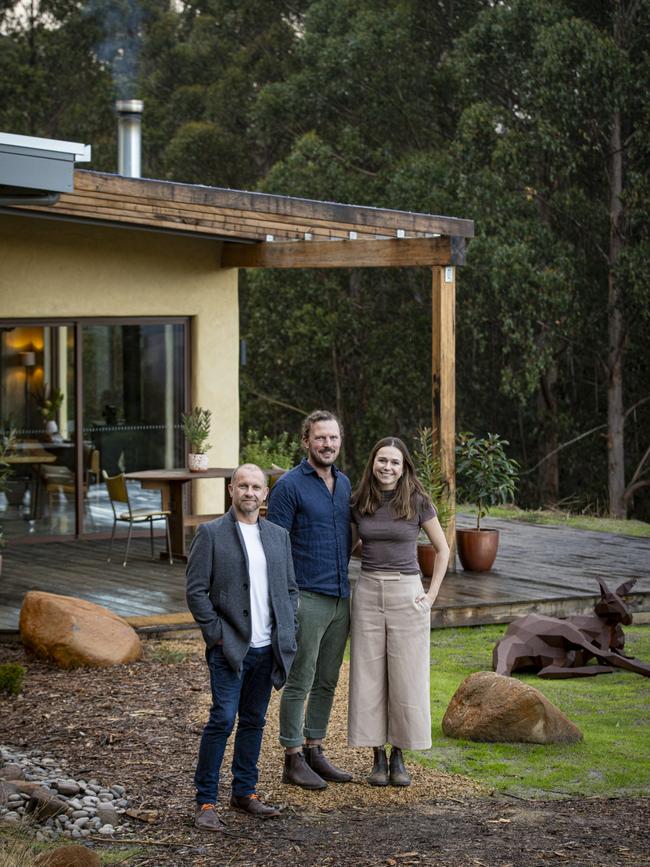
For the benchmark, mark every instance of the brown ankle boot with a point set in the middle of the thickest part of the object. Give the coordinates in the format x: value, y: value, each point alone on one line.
x: 398, y: 773
x: 317, y: 761
x: 379, y: 774
x: 298, y: 773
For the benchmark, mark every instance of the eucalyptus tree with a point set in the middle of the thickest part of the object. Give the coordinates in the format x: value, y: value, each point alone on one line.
x: 547, y: 88
x: 52, y: 83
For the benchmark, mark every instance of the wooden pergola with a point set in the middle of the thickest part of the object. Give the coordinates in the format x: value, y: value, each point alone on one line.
x: 258, y: 230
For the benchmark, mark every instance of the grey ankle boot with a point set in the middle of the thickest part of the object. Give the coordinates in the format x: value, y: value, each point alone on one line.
x: 379, y: 774
x: 398, y: 773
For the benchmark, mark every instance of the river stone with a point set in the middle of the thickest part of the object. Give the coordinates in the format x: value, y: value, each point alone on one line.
x: 73, y: 632
x: 45, y: 804
x: 7, y: 789
x: 12, y: 771
x: 27, y: 786
x: 68, y: 856
x: 491, y: 707
x: 107, y: 814
x: 67, y: 787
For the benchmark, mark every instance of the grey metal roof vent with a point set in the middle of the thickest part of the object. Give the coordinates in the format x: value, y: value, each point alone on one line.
x: 36, y: 170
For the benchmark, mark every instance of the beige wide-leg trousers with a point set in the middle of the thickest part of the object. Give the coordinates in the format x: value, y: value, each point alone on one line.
x: 389, y: 663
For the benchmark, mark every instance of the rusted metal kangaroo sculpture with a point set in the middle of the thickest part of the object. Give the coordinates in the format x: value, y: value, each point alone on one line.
x: 562, y: 648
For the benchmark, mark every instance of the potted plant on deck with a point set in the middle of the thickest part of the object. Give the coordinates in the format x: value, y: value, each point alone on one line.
x: 196, y: 426
x: 426, y: 457
x: 486, y: 477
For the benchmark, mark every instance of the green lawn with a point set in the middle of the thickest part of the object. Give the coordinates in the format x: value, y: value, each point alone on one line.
x: 612, y: 710
x: 564, y: 519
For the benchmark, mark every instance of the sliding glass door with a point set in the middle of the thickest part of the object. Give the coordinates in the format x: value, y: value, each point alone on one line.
x: 133, y: 396
x: 37, y: 417
x: 130, y: 381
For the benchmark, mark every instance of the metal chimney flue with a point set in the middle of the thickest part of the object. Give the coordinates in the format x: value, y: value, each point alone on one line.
x: 129, y: 137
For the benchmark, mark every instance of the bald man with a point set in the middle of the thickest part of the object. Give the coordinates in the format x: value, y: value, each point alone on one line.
x: 242, y: 592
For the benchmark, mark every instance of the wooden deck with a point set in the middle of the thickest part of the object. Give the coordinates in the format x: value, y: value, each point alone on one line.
x: 546, y: 569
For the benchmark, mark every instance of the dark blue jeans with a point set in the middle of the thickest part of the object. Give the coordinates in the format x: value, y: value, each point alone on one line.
x: 246, y: 697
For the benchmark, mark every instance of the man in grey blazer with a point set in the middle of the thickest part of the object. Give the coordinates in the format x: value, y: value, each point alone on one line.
x: 242, y: 592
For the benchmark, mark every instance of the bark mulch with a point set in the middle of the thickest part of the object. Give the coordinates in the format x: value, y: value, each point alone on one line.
x: 139, y: 725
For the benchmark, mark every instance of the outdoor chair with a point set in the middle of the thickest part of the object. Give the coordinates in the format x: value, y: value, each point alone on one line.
x: 119, y: 497
x: 61, y: 480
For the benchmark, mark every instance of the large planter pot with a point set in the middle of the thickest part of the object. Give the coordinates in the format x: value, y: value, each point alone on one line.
x: 197, y: 463
x: 477, y: 549
x: 426, y: 558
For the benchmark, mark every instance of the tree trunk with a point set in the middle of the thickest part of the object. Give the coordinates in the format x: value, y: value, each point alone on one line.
x: 616, y: 332
x: 549, y: 470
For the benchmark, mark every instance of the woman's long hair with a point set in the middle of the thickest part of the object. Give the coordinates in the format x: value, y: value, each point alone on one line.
x: 409, y: 493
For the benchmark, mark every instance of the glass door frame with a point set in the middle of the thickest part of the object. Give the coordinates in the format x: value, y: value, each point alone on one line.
x: 77, y: 323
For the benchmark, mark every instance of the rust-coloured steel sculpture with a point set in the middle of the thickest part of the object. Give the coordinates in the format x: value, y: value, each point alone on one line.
x: 562, y: 648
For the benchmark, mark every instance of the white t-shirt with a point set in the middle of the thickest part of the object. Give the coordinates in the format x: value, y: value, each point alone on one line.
x: 259, y: 586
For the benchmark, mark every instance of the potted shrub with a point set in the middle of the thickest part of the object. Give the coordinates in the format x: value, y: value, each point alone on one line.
x: 426, y: 457
x: 196, y: 426
x: 485, y: 477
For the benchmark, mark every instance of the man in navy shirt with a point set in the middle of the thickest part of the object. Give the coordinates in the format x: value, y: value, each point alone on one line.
x: 312, y: 502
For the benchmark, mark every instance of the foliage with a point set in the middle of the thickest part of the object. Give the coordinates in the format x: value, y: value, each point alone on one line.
x: 614, y: 758
x: 265, y: 451
x: 12, y: 675
x: 426, y: 456
x: 49, y: 402
x: 19, y: 849
x: 499, y: 112
x: 48, y: 52
x: 7, y: 444
x: 486, y: 476
x: 593, y: 523
x: 196, y: 427
x: 167, y: 655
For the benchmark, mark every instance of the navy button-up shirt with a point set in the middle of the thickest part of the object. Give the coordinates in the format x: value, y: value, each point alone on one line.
x: 319, y: 525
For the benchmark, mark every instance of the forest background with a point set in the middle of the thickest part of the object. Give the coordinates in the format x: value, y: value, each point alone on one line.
x: 530, y: 117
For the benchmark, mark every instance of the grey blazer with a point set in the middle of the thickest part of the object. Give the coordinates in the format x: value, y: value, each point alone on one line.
x: 218, y: 593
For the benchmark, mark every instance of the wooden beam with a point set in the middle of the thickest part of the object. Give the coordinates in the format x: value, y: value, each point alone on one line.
x: 235, y: 213
x: 443, y: 383
x: 390, y: 253
x: 267, y: 203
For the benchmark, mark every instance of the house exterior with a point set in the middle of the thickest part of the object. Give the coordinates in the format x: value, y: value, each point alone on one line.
x: 118, y: 304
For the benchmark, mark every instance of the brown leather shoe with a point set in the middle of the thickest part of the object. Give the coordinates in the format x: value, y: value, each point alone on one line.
x: 206, y: 819
x: 298, y: 773
x: 251, y: 804
x: 315, y: 758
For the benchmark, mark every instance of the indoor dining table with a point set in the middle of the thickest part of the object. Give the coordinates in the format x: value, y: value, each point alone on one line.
x: 171, y: 484
x: 31, y: 458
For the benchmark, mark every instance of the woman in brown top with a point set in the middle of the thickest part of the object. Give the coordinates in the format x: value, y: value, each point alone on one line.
x: 389, y: 653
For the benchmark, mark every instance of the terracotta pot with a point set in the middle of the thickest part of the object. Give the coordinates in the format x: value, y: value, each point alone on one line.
x: 426, y: 558
x: 477, y: 549
x: 197, y: 463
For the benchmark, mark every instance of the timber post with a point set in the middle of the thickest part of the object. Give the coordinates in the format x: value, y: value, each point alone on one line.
x: 443, y: 384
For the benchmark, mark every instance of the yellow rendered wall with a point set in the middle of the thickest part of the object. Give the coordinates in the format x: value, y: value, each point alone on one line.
x: 52, y: 269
